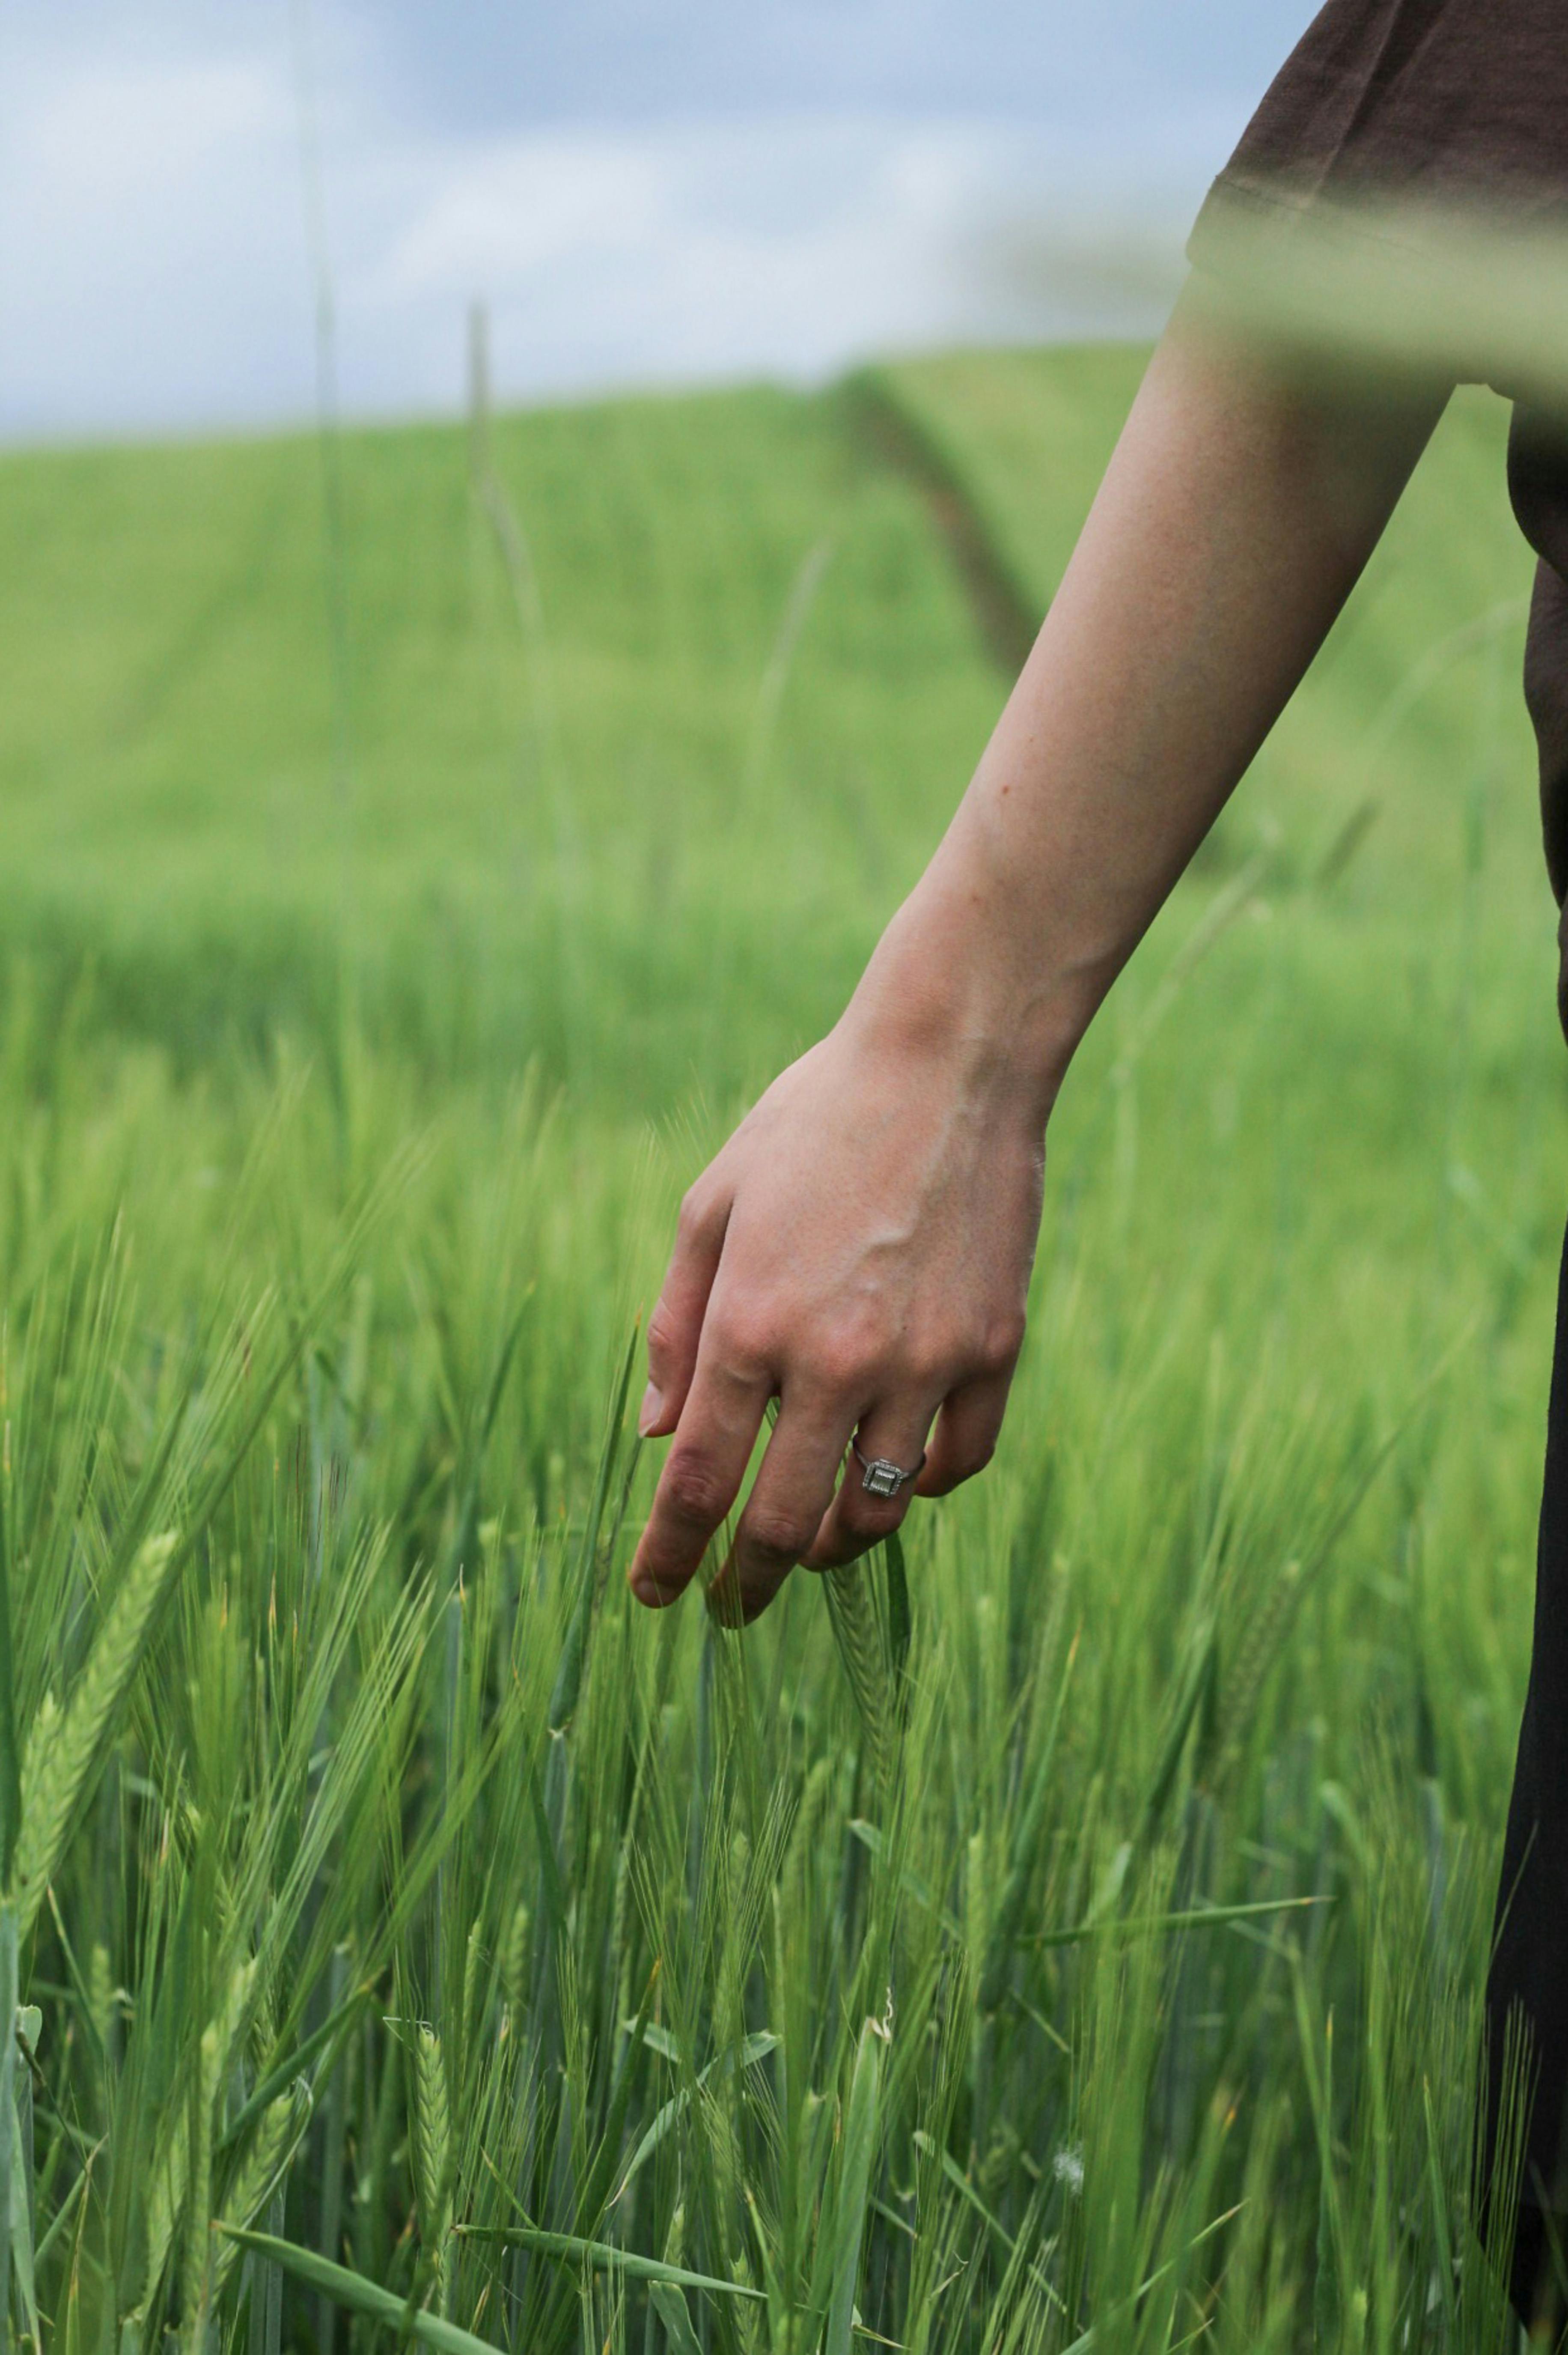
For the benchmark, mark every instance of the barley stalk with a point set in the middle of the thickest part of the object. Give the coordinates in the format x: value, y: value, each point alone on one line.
x: 277, y: 2136
x: 434, y: 2148
x: 61, y: 1746
x: 1256, y: 1656
x: 167, y: 2201
x: 851, y: 1612
x: 472, y: 1970
x: 195, y: 2272
x: 515, y: 1967
x: 100, y: 1993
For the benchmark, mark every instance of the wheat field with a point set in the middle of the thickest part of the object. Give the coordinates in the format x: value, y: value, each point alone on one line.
x: 1066, y: 1931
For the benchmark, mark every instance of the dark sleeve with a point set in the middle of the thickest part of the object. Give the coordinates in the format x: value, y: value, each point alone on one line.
x: 1413, y: 102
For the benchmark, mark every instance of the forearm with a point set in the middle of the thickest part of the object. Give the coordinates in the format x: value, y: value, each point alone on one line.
x: 861, y: 1249
x: 1233, y: 520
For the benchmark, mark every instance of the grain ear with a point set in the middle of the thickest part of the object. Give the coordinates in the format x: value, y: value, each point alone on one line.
x: 433, y: 2153
x: 62, y: 1746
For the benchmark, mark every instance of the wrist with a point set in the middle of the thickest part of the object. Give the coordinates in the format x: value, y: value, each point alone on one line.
x: 954, y: 982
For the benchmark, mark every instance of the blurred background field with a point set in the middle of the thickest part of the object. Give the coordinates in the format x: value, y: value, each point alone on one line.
x: 419, y: 846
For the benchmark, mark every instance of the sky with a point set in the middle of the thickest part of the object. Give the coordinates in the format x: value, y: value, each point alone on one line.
x: 640, y: 192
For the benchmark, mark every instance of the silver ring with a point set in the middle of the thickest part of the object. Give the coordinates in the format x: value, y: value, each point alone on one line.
x: 881, y: 1478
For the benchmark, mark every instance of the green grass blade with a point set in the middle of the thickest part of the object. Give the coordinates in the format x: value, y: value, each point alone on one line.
x: 568, y: 2248
x: 277, y: 2081
x: 1091, y: 2337
x: 966, y: 2190
x: 7, y: 2099
x: 855, y: 2186
x: 21, y: 2218
x: 573, y: 1652
x: 900, y: 1623
x: 871, y: 1837
x: 10, y: 1751
x: 66, y: 2209
x: 1195, y: 1917
x: 1200, y: 1679
x: 1440, y: 2231
x: 352, y: 2290
x: 595, y: 2193
x: 1025, y: 1847
x: 745, y: 2056
x: 593, y: 2196
x: 551, y: 1884
x: 669, y: 2304
x: 468, y: 1514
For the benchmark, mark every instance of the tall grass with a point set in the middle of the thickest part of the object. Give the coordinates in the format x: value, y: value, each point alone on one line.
x: 388, y: 1885
x: 1066, y: 1932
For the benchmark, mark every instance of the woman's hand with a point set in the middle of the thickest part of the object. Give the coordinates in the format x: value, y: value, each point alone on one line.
x: 860, y: 1249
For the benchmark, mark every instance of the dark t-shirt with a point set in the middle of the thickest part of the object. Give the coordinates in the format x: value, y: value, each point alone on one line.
x: 1440, y: 102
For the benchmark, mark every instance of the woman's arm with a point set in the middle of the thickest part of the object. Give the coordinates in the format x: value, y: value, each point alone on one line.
x: 862, y: 1247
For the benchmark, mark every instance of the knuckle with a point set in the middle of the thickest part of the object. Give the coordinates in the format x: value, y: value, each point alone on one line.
x: 696, y: 1212
x: 663, y: 1332
x: 929, y: 1369
x: 843, y: 1362
x: 781, y: 1534
x: 740, y: 1342
x: 1002, y: 1341
x: 695, y: 1486
x: 828, y: 1373
x: 850, y: 1350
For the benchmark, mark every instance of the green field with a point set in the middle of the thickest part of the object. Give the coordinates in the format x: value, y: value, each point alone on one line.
x: 396, y: 910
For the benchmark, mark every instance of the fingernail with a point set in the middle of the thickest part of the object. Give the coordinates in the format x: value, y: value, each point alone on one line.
x: 651, y: 1408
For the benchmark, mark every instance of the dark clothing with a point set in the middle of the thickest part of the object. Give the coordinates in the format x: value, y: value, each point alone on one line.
x: 1530, y: 1958
x: 1443, y: 103
x: 1538, y: 485
x: 1447, y: 101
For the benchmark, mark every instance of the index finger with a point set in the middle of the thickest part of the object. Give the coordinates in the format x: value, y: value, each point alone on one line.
x: 701, y: 1479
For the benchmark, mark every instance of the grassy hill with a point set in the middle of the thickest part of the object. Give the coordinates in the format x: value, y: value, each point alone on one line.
x: 744, y: 687
x: 410, y: 864
x: 510, y: 793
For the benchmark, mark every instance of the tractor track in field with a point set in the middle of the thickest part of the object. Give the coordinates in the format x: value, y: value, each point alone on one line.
x: 1004, y: 613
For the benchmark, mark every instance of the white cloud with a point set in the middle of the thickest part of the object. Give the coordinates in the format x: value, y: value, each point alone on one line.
x: 154, y: 270
x: 116, y: 137
x: 779, y: 245
x: 151, y: 242
x: 495, y: 218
